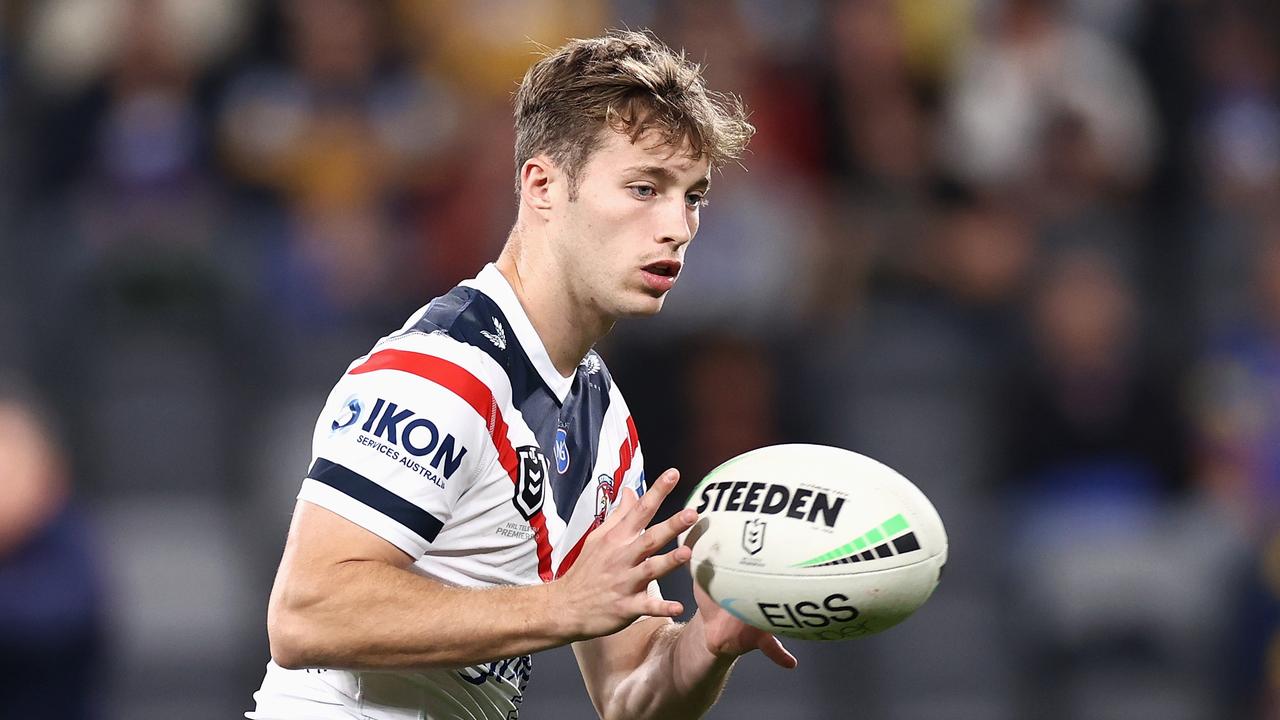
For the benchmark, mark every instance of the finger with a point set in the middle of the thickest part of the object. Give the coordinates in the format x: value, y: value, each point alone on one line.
x: 652, y: 500
x: 772, y: 648
x: 627, y: 501
x: 653, y: 539
x: 660, y: 565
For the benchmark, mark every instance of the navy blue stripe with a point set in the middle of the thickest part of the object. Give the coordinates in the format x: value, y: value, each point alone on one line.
x: 363, y: 490
x: 467, y: 314
x: 581, y: 413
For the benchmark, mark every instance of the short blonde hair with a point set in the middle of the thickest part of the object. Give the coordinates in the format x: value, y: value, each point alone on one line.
x: 629, y: 82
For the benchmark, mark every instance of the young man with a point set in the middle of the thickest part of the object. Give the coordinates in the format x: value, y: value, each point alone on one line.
x: 477, y: 492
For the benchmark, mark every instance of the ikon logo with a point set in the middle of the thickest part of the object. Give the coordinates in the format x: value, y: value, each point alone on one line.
x: 404, y: 428
x: 351, y: 410
x: 753, y: 536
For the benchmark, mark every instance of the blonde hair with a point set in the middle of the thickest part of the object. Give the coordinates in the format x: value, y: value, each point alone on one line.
x: 628, y: 82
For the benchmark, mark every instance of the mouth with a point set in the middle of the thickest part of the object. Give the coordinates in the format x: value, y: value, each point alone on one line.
x: 660, y: 276
x: 663, y: 268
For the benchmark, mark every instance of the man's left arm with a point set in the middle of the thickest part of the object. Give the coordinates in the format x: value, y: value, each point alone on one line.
x: 657, y: 668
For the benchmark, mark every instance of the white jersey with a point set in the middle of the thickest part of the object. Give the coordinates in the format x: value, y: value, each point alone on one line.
x: 456, y: 440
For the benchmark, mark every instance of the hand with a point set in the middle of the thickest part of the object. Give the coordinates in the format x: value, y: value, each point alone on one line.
x: 606, y: 589
x: 729, y: 637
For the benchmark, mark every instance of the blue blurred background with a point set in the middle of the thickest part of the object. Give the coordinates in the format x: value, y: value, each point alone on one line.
x: 1025, y: 251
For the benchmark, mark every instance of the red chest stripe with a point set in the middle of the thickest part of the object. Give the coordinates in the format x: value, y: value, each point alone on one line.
x: 470, y: 388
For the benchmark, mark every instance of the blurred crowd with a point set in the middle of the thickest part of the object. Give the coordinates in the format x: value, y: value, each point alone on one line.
x: 1025, y: 251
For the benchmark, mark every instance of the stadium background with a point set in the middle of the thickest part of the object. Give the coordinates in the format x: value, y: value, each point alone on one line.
x: 1026, y: 251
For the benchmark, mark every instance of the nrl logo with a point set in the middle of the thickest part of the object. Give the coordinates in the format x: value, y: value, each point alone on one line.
x: 499, y: 340
x: 753, y: 536
x: 532, y: 481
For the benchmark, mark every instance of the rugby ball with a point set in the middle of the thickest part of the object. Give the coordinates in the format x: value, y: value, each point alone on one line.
x: 814, y: 542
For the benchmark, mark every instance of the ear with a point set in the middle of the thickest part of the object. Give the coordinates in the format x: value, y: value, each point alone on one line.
x: 539, y: 181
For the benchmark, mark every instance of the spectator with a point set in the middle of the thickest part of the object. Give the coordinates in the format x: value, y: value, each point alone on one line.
x: 1090, y: 412
x: 50, y: 600
x: 1030, y: 66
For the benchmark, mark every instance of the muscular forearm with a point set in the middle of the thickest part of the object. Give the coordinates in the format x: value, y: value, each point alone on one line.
x: 369, y: 615
x: 345, y: 598
x: 677, y: 678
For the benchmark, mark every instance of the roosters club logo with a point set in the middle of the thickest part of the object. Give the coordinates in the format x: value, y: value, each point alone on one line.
x: 604, y: 494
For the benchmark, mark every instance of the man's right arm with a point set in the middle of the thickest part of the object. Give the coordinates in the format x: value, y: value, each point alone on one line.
x: 346, y: 598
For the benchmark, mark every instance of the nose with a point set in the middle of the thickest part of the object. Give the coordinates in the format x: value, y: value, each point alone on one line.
x: 678, y: 223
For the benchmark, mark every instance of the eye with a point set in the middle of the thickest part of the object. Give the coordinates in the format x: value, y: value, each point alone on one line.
x: 643, y: 192
x: 696, y: 200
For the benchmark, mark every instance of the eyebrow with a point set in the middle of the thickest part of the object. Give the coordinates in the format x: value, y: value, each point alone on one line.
x: 666, y: 176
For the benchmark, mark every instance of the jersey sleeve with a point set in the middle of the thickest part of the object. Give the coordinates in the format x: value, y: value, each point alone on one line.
x: 402, y: 436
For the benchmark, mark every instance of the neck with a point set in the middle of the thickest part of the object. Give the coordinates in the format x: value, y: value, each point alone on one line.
x: 567, y: 325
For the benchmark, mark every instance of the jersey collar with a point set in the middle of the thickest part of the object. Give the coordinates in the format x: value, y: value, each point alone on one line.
x: 492, y: 283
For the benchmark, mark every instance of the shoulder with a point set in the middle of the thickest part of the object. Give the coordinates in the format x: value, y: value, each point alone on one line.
x: 418, y: 389
x: 452, y: 342
x: 474, y: 326
x: 406, y: 430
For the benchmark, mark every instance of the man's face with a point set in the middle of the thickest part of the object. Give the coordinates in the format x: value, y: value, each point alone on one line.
x: 620, y: 244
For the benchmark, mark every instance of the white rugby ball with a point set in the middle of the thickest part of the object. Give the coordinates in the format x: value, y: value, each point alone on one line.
x: 814, y: 542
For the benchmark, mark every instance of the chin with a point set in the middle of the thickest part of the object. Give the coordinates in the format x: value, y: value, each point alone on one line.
x: 645, y: 306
